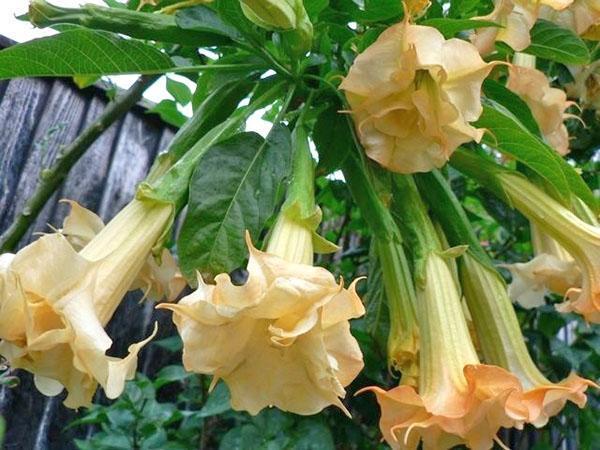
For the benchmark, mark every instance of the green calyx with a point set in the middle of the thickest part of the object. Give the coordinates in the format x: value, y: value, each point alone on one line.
x: 299, y: 206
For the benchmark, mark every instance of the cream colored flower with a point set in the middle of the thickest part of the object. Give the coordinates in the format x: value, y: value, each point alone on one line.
x: 55, y: 300
x: 551, y: 270
x: 586, y: 85
x: 413, y: 95
x: 503, y: 344
x: 282, y: 339
x: 580, y: 239
x: 459, y: 401
x: 582, y: 16
x: 546, y: 103
x: 516, y: 19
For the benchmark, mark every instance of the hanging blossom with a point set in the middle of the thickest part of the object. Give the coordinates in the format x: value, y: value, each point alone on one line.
x: 516, y: 19
x: 582, y: 17
x: 502, y: 343
x: 413, y: 95
x: 586, y: 85
x: 282, y: 338
x: 580, y: 239
x: 547, y: 104
x: 58, y: 293
x: 459, y: 401
x: 552, y: 269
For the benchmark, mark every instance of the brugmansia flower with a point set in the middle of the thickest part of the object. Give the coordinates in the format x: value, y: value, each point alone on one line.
x: 546, y: 103
x: 582, y: 16
x: 413, y: 95
x: 281, y: 339
x: 459, y: 401
x: 580, y: 239
x: 516, y: 18
x: 586, y: 85
x: 503, y: 344
x: 551, y: 270
x: 55, y: 300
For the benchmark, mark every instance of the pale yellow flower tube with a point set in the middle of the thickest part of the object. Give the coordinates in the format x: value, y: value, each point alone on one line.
x: 55, y: 301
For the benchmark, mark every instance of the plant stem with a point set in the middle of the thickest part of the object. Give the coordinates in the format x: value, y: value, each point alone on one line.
x: 141, y: 25
x: 52, y: 178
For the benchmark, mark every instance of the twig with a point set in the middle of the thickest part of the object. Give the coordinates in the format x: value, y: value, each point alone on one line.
x: 52, y: 177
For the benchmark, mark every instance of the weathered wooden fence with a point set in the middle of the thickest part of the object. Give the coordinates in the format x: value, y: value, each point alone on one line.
x: 37, y: 117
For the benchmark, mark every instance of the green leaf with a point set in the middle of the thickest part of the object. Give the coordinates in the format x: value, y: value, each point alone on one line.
x: 170, y: 374
x: 549, y: 41
x: 233, y: 189
x: 511, y: 113
x: 180, y: 92
x: 380, y: 10
x: 201, y: 18
x: 231, y: 12
x: 512, y: 102
x: 333, y: 140
x: 312, y: 434
x: 218, y: 401
x: 167, y: 110
x: 314, y: 8
x: 450, y: 27
x: 509, y: 136
x: 81, y: 52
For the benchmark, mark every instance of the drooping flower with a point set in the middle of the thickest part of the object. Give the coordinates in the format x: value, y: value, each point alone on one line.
x: 282, y: 338
x: 516, y: 19
x: 459, y: 401
x: 57, y: 300
x: 586, y: 85
x: 503, y: 344
x: 546, y: 103
x: 413, y: 95
x: 580, y: 239
x: 582, y: 16
x: 551, y: 270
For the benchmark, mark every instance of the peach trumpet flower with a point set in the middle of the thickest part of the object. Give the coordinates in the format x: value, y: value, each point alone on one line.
x: 58, y: 293
x: 281, y: 339
x: 413, y: 95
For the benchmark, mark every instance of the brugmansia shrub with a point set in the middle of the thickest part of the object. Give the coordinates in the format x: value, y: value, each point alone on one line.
x: 446, y: 157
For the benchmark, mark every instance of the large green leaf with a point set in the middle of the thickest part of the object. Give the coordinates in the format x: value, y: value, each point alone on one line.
x: 201, y: 18
x: 511, y: 101
x: 509, y: 136
x: 81, y: 52
x: 333, y: 139
x: 233, y: 189
x: 450, y: 27
x: 549, y: 41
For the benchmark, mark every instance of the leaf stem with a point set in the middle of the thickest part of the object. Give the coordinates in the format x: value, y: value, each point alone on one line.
x: 52, y: 178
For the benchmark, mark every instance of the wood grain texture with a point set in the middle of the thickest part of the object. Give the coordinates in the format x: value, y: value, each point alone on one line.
x: 37, y: 118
